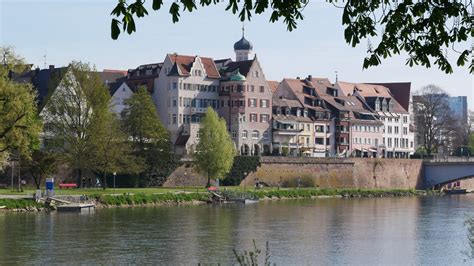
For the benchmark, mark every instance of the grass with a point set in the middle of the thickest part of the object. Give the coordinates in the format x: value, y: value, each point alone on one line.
x: 19, y: 203
x: 95, y: 191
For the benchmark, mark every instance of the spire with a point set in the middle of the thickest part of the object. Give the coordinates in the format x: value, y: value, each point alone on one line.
x: 336, y: 75
x: 243, y: 29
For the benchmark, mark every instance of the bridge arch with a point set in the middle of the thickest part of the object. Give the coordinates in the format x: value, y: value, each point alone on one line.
x: 441, y: 173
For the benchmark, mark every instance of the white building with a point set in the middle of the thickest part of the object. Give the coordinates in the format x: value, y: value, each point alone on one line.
x: 185, y: 87
x: 120, y: 91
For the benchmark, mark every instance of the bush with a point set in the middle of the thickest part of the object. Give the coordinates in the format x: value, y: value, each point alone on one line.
x: 242, y: 164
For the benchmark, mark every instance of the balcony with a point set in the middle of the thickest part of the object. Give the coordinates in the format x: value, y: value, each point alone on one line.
x: 200, y: 110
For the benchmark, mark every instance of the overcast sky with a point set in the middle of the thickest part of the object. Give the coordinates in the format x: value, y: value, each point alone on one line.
x: 65, y: 31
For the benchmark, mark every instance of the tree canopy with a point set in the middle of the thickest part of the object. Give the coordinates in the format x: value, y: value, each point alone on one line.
x: 19, y: 121
x: 424, y: 30
x: 215, y: 151
x: 149, y: 137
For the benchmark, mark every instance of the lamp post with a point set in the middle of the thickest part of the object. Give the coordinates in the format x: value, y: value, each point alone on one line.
x: 114, y: 173
x: 245, y: 179
x: 184, y: 183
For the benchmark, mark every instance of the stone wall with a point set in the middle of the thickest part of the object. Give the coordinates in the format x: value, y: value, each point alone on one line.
x: 341, y: 172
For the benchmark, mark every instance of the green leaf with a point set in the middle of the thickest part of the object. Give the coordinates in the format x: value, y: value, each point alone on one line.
x: 157, y: 4
x: 115, y: 29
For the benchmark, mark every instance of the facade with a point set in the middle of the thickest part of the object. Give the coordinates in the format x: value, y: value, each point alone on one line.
x: 300, y: 101
x: 119, y: 92
x: 143, y: 75
x: 185, y: 87
x: 246, y: 102
x: 398, y: 139
x: 458, y: 106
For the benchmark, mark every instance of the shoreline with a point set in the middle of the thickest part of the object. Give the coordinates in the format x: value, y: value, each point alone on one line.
x: 193, y: 199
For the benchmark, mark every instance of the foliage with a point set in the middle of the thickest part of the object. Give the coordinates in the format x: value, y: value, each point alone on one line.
x: 150, y: 139
x: 241, y: 165
x: 141, y: 198
x: 251, y: 257
x: 40, y: 165
x: 471, y: 141
x: 215, y: 151
x: 304, y: 181
x: 71, y: 115
x: 19, y: 121
x: 463, y: 151
x: 113, y: 152
x: 422, y: 29
x: 348, y: 193
x: 19, y: 203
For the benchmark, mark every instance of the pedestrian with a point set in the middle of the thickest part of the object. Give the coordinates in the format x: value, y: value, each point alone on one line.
x: 83, y: 182
x: 90, y: 182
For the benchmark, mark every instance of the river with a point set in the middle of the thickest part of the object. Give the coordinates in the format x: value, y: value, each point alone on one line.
x: 410, y: 230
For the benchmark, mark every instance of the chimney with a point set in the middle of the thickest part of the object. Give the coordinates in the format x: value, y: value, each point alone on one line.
x: 37, y: 70
x: 51, y: 67
x: 310, y: 77
x: 297, y: 77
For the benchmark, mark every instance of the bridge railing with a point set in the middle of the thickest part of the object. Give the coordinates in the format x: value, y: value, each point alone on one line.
x: 448, y: 159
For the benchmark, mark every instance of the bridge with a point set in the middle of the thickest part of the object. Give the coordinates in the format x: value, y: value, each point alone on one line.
x: 446, y: 170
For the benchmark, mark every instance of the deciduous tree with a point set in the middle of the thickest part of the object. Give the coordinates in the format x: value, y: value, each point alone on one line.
x: 40, y: 165
x: 422, y: 29
x: 150, y: 139
x: 19, y: 121
x: 215, y: 151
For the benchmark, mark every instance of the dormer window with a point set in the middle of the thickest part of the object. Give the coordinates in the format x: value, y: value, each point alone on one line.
x: 278, y: 111
x: 287, y: 111
x: 305, y: 113
x: 298, y: 112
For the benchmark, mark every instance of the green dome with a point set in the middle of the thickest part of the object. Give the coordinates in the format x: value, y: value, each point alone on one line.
x: 238, y: 77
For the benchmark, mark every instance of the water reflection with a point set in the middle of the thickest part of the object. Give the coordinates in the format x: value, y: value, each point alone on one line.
x: 327, y: 231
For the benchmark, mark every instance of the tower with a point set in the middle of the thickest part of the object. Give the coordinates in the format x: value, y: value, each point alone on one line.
x: 242, y: 48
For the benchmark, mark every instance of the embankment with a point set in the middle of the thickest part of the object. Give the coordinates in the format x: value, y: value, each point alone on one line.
x: 355, y: 173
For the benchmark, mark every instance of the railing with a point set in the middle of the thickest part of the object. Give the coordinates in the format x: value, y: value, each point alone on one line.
x: 448, y: 159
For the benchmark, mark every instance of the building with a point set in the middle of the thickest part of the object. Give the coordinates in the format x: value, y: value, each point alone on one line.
x: 300, y: 108
x: 185, y: 87
x: 119, y: 92
x: 398, y: 139
x: 458, y: 106
x: 143, y: 75
x: 246, y: 101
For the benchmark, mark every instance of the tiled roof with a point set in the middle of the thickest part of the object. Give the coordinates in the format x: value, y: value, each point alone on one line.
x: 401, y: 92
x: 273, y: 85
x: 185, y: 62
x: 282, y: 102
x: 291, y: 118
x: 296, y: 86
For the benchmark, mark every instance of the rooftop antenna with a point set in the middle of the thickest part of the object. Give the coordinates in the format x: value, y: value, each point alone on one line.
x: 336, y: 75
x: 243, y: 29
x: 44, y: 57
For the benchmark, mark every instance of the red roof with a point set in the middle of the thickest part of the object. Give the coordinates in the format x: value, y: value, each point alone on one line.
x: 273, y: 85
x: 185, y: 62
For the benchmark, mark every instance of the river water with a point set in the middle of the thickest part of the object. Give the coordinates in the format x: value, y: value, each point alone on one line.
x: 411, y: 230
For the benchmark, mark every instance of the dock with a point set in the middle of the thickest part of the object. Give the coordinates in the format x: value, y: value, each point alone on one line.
x: 75, y: 207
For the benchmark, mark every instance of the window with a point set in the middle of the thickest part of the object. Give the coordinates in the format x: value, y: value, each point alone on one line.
x: 262, y: 88
x: 174, y: 119
x: 175, y: 85
x: 327, y: 129
x: 253, y: 117
x: 396, y: 130
x: 319, y: 141
x: 255, y: 134
x: 251, y: 88
x: 174, y: 101
x: 389, y: 142
x: 264, y: 103
x: 264, y: 118
x: 305, y: 113
x: 244, y: 134
x: 319, y: 128
x: 234, y: 134
x: 252, y: 102
x: 389, y: 130
x: 396, y: 142
x: 376, y: 142
x: 265, y: 135
x: 307, y: 127
x: 405, y: 119
x: 256, y: 74
x: 405, y: 130
x: 180, y: 101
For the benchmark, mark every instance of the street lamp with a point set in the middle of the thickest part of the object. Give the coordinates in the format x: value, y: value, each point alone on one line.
x: 184, y: 183
x: 245, y: 178
x: 114, y: 173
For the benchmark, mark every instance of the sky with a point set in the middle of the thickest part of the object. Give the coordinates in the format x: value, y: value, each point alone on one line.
x: 80, y: 30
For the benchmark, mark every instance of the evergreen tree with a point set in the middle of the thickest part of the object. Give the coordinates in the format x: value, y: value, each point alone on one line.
x: 215, y: 151
x: 150, y: 139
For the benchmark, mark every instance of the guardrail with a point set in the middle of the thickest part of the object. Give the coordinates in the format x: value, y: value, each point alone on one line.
x: 449, y: 159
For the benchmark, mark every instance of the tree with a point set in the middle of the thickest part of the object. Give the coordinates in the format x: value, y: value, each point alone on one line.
x: 71, y: 115
x: 150, y: 139
x: 215, y: 151
x: 19, y: 121
x: 422, y: 29
x: 432, y: 117
x: 112, y: 151
x: 40, y: 165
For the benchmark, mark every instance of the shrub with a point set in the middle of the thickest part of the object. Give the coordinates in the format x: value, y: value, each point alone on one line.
x: 242, y: 164
x: 305, y: 181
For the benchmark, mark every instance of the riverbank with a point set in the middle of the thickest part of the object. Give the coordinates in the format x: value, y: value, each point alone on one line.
x: 173, y: 199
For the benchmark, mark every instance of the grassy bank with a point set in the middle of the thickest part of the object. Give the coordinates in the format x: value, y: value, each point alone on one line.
x: 11, y: 204
x: 144, y: 199
x: 348, y: 193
